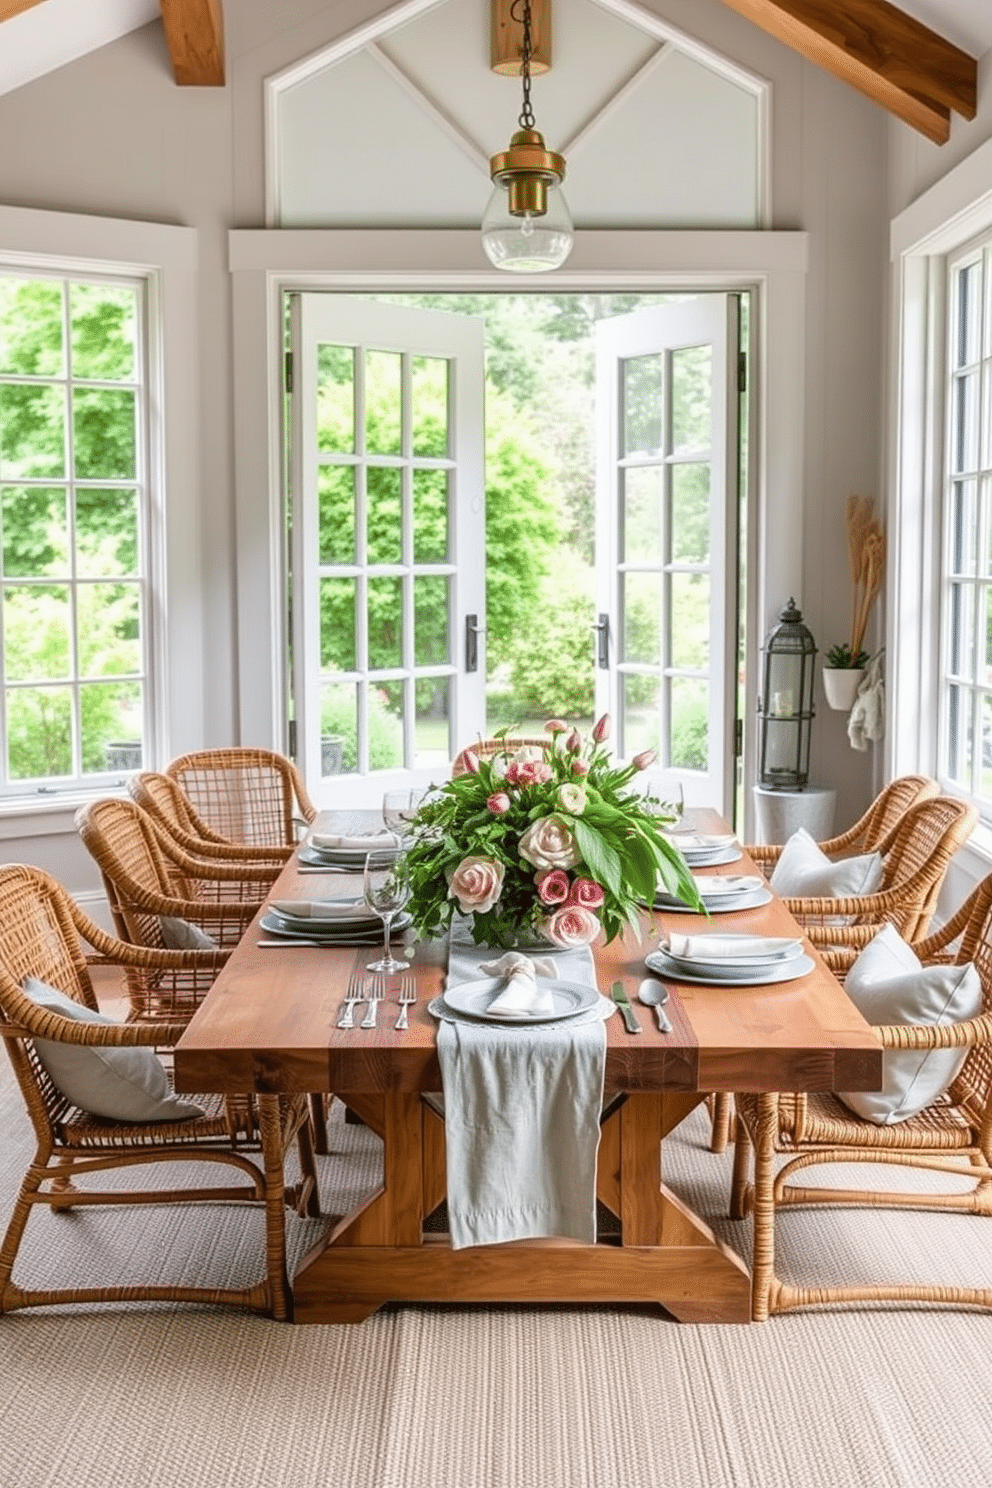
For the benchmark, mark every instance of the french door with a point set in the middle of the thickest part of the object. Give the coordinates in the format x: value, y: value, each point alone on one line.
x: 387, y: 517
x: 667, y: 489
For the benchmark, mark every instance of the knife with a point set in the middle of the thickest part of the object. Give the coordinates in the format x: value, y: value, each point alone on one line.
x: 623, y: 1003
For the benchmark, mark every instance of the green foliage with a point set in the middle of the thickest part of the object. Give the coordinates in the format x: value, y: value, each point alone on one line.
x: 844, y: 658
x: 551, y: 664
x: 690, y: 733
x: 337, y: 716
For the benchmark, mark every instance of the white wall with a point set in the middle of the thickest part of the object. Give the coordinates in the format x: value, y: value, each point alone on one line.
x: 111, y: 134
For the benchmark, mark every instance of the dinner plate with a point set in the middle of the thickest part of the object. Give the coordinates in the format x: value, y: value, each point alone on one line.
x: 473, y: 999
x: 799, y: 966
x: 308, y: 927
x: 729, y: 904
x: 711, y: 857
x: 724, y: 967
x: 350, y: 933
x: 726, y: 885
x: 746, y: 957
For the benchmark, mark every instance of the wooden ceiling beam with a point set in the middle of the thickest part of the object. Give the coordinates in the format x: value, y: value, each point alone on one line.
x: 884, y: 53
x: 194, y: 30
x: 10, y: 8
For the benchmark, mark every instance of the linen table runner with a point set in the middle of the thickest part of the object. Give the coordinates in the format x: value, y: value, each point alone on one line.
x: 522, y: 1108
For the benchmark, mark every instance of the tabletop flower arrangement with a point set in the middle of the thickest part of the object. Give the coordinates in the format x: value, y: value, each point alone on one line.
x: 542, y: 845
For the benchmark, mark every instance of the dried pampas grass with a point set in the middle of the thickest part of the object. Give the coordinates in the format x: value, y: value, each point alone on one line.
x: 866, y: 555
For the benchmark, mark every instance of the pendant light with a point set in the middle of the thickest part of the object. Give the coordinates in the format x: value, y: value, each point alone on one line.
x: 527, y: 228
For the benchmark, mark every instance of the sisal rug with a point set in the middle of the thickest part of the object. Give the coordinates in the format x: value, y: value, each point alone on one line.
x: 464, y: 1397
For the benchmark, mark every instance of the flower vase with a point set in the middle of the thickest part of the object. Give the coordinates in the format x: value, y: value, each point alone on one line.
x: 841, y: 686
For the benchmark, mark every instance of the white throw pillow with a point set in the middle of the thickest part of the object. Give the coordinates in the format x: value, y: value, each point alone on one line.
x: 180, y: 935
x: 887, y: 984
x: 804, y: 871
x: 122, y: 1084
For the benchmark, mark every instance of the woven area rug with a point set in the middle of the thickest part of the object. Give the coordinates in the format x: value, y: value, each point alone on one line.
x: 465, y: 1397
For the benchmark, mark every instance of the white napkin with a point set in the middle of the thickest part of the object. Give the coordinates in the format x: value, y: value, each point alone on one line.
x: 521, y: 997
x: 323, y: 909
x: 710, y: 841
x: 730, y: 947
x: 341, y: 841
x: 718, y: 885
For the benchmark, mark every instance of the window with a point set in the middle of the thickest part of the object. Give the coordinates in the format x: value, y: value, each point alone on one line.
x: 966, y: 607
x: 73, y: 519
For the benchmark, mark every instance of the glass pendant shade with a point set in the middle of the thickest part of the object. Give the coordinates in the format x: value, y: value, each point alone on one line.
x: 527, y: 241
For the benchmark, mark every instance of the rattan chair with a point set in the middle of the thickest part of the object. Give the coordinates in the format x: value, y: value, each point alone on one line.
x: 245, y: 795
x: 147, y: 876
x: 163, y: 800
x: 871, y: 832
x: 954, y: 1135
x: 44, y: 934
x: 487, y: 748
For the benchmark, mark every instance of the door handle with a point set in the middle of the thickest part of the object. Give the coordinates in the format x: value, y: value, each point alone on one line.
x: 602, y: 629
x: 473, y: 630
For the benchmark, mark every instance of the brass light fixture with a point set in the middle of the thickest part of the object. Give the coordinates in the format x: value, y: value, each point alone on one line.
x: 527, y: 228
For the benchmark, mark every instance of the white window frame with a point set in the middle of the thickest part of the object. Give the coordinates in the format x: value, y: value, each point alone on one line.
x: 934, y: 229
x: 164, y: 259
x: 265, y: 264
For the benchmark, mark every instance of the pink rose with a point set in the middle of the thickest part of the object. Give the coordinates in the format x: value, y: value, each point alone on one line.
x: 644, y: 759
x: 601, y: 729
x: 571, y: 926
x: 555, y: 726
x: 477, y: 884
x: 498, y: 803
x: 553, y: 886
x: 528, y: 772
x: 548, y: 843
x: 587, y: 892
x: 580, y: 767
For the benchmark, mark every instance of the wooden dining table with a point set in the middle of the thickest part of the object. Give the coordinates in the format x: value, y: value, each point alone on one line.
x: 269, y: 1024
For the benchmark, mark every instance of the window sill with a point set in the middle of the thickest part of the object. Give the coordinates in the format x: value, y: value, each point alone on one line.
x: 47, y: 815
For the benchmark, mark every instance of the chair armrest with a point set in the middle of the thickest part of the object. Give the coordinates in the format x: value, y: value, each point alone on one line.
x: 963, y: 1035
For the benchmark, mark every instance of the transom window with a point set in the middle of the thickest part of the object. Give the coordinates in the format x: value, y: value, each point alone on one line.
x: 73, y: 519
x: 967, y: 597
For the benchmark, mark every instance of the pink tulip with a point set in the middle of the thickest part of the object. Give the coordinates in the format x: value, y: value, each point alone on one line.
x: 601, y: 729
x: 555, y: 726
x: 574, y: 741
x: 498, y: 803
x: 644, y: 759
x: 471, y: 762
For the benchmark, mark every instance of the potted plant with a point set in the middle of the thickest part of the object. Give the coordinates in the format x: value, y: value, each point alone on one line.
x: 845, y: 663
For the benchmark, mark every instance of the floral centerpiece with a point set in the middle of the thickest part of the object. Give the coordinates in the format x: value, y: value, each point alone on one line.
x: 543, y: 845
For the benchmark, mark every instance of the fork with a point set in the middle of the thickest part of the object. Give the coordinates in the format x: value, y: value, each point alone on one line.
x: 355, y: 993
x: 408, y: 995
x: 375, y: 997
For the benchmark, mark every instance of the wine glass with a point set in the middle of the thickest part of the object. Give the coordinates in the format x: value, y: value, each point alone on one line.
x: 386, y: 892
x: 665, y: 797
x: 399, y: 811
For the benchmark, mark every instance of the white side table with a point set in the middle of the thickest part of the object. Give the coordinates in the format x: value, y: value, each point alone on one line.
x: 780, y: 813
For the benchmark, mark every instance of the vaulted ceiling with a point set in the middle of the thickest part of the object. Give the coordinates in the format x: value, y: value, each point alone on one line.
x: 917, y: 60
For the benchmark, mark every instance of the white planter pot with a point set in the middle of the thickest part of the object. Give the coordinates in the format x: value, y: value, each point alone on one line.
x: 841, y: 685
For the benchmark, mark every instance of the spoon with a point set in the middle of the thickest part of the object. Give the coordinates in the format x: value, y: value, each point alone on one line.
x: 654, y: 994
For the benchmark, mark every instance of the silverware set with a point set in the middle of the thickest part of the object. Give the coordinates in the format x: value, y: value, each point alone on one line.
x: 372, y: 990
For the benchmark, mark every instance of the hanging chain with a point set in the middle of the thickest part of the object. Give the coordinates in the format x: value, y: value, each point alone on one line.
x: 526, y: 119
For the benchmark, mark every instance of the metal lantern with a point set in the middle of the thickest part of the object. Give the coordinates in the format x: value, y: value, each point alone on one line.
x: 785, y: 707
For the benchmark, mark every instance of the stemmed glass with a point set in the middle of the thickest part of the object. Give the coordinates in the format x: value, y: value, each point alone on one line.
x: 386, y: 892
x: 399, y: 811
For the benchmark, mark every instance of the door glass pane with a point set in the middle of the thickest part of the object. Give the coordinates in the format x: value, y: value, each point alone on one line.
x: 985, y: 776
x: 104, y: 433
x: 640, y: 613
x: 106, y: 533
x: 39, y: 732
x: 690, y: 724
x: 35, y: 531
x: 338, y: 728
x: 964, y: 523
x: 109, y: 629
x: 690, y: 620
x: 385, y: 515
x: 955, y: 733
x: 430, y: 516
x: 103, y: 320
x: 385, y: 623
x: 337, y: 624
x: 387, y: 702
x: 969, y: 324
x: 965, y: 422
x: 985, y: 674
x: 36, y: 631
x: 640, y: 712
x: 336, y: 513
x: 987, y: 415
x: 642, y: 514
x: 383, y: 402
x: 642, y: 405
x: 32, y: 431
x: 111, y: 722
x: 431, y: 645
x: 336, y: 399
x: 691, y: 513
x: 429, y: 399
x: 957, y: 630
x: 692, y: 371
x: 31, y: 327
x: 432, y: 729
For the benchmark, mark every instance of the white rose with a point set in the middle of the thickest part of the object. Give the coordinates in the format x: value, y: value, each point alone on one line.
x: 477, y: 884
x: 548, y: 843
x: 528, y: 754
x: 572, y: 798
